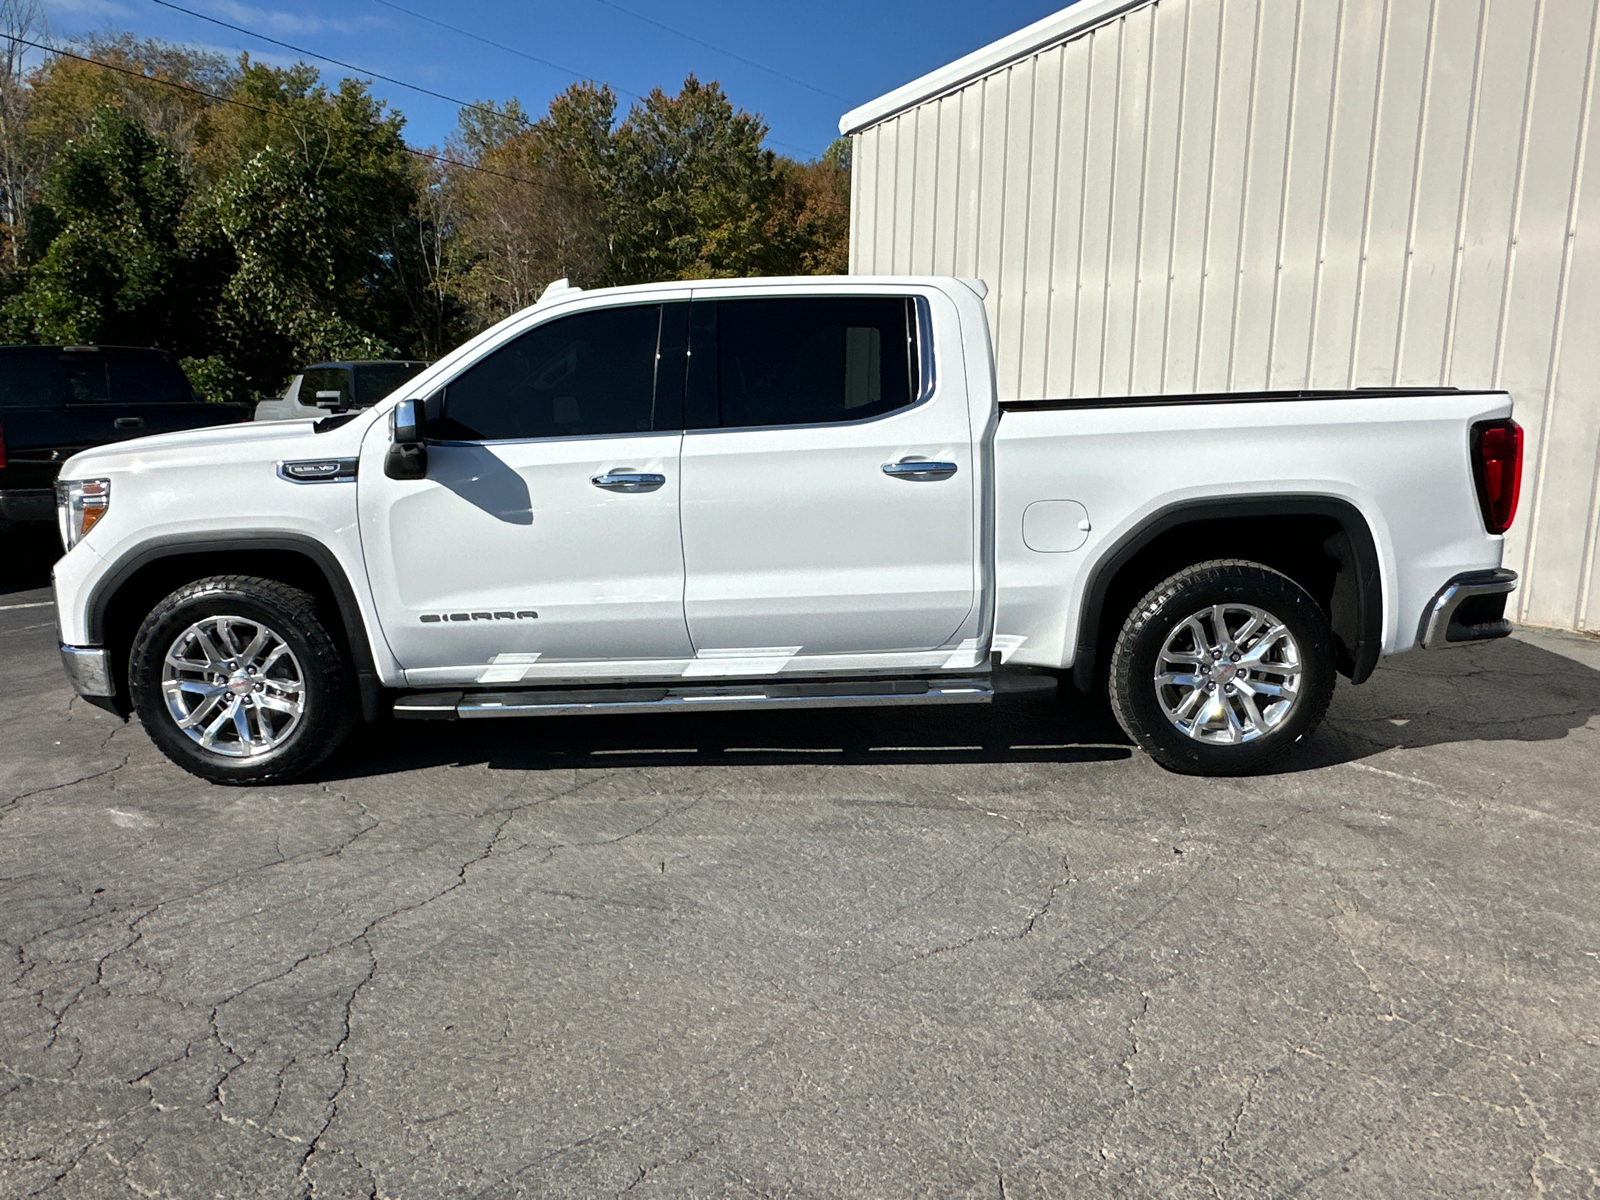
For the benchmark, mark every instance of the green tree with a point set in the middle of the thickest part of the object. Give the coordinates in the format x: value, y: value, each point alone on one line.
x: 690, y: 189
x: 107, y: 232
x: 808, y: 230
x: 317, y: 205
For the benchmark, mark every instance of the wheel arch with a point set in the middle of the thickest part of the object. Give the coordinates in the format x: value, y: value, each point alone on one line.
x: 126, y: 593
x: 1349, y: 583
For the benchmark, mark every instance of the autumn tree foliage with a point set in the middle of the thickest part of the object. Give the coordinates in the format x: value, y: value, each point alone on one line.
x: 253, y: 218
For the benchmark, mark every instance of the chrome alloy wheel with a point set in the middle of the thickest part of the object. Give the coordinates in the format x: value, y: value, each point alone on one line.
x: 1228, y: 674
x: 234, y: 686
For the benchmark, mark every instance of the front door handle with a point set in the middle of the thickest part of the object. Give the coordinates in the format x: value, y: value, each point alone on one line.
x: 128, y: 423
x: 919, y: 470
x: 628, y: 481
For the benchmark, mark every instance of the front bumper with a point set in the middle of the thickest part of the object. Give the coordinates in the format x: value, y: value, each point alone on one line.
x: 89, y: 670
x: 1470, y: 608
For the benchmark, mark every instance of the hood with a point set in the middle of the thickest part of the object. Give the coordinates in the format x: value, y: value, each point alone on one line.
x: 247, y: 442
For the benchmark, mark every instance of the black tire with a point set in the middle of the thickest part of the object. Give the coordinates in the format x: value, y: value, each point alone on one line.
x: 1136, y: 699
x: 328, y: 696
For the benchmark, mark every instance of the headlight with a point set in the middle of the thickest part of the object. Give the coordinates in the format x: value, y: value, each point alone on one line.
x: 80, y: 503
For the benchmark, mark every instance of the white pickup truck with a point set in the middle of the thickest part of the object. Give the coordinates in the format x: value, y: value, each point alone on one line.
x: 774, y: 493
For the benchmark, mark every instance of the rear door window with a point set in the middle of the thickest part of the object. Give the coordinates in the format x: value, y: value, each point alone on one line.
x: 585, y: 375
x: 802, y: 360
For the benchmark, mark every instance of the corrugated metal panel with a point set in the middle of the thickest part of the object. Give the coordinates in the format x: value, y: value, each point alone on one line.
x: 1231, y: 194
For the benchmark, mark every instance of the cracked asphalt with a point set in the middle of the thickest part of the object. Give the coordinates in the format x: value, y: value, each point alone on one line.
x: 878, y: 954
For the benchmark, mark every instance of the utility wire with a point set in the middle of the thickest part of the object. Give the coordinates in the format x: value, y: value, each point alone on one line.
x: 478, y: 37
x: 338, y: 62
x: 545, y: 62
x: 689, y: 37
x: 259, y: 108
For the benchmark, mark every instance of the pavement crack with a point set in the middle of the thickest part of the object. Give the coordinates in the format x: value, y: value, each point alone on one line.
x: 9, y: 806
x: 665, y: 1162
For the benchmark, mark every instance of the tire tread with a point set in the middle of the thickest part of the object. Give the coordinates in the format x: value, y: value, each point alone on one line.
x: 1220, y: 572
x: 332, y: 715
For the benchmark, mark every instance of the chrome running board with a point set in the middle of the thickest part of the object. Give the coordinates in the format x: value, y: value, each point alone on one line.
x: 564, y: 702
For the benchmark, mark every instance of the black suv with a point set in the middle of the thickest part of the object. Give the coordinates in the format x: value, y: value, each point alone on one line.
x: 57, y: 400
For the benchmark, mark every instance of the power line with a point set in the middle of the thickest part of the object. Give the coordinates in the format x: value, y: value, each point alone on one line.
x: 488, y: 111
x: 336, y: 61
x: 545, y: 62
x: 478, y: 37
x: 259, y: 108
x: 749, y: 62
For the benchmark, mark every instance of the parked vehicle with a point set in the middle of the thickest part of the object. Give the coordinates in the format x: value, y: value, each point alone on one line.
x: 337, y: 387
x: 767, y: 494
x: 58, y: 400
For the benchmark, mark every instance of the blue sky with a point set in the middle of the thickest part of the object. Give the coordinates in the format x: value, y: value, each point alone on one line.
x: 834, y: 53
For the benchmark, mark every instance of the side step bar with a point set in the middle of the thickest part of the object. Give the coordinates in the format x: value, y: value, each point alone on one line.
x: 552, y: 702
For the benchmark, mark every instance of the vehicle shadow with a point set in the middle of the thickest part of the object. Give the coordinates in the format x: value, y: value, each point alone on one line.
x: 1509, y: 690
x: 1064, y: 727
x: 27, y: 552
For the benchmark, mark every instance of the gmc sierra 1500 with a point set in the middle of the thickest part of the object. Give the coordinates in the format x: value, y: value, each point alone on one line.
x: 774, y: 493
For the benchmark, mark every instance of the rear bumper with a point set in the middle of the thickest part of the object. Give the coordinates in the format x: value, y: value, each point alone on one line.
x: 28, y: 504
x: 89, y: 670
x: 1470, y: 608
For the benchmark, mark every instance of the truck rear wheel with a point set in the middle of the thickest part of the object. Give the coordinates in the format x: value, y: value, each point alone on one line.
x: 1222, y: 668
x: 237, y: 680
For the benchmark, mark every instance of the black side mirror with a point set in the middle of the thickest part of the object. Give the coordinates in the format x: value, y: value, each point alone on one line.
x: 408, y: 457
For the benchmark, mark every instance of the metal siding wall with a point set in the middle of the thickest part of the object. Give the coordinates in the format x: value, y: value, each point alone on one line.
x: 1231, y: 194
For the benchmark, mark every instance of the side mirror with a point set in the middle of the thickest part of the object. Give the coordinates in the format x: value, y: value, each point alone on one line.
x: 408, y: 421
x: 408, y: 457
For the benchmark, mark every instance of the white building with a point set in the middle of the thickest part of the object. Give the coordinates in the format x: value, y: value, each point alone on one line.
x: 1215, y: 195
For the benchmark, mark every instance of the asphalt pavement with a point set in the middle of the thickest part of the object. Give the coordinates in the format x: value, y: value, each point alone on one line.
x: 959, y: 952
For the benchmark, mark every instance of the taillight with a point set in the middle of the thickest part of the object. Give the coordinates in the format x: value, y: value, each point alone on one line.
x: 1497, y: 466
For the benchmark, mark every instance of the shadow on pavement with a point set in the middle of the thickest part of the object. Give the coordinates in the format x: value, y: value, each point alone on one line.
x: 1063, y: 728
x: 27, y: 552
x: 1508, y: 690
x: 1502, y: 691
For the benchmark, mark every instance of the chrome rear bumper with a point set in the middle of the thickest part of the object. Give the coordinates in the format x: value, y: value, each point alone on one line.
x: 1470, y: 608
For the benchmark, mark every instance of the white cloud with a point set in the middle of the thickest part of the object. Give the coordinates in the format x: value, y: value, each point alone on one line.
x: 280, y: 20
x: 79, y: 10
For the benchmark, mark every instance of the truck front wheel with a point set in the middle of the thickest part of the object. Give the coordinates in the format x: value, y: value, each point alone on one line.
x: 237, y: 680
x: 1221, y: 668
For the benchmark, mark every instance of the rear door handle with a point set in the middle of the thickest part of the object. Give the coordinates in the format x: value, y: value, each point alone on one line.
x: 628, y: 481
x: 128, y: 423
x: 919, y: 470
